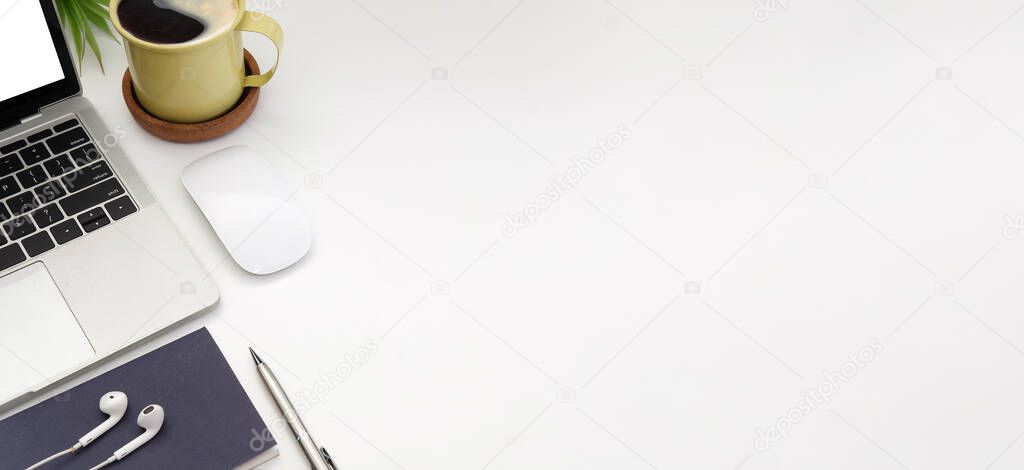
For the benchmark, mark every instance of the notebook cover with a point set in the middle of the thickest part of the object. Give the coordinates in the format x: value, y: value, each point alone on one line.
x: 210, y: 423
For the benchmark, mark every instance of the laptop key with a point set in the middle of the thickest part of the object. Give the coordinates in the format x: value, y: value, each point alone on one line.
x: 120, y: 207
x: 85, y: 154
x: 87, y: 176
x: 50, y: 192
x: 12, y: 146
x: 38, y: 244
x: 63, y: 142
x: 59, y: 165
x: 4, y: 214
x: 10, y: 164
x: 93, y: 219
x: 18, y: 227
x: 22, y: 203
x: 47, y: 215
x: 65, y: 125
x: 8, y: 187
x: 39, y: 135
x: 34, y: 154
x: 92, y: 196
x: 32, y: 176
x: 66, y: 231
x: 11, y: 255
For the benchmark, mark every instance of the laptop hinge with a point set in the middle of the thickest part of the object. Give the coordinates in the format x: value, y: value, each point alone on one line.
x: 4, y: 125
x: 31, y: 118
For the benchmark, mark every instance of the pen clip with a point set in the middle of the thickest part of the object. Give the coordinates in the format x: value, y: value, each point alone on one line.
x: 327, y: 458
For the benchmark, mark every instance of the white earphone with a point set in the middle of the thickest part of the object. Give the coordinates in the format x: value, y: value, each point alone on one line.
x: 151, y: 419
x: 115, y: 404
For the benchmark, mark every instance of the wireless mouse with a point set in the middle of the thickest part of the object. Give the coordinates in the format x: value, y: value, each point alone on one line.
x: 249, y: 206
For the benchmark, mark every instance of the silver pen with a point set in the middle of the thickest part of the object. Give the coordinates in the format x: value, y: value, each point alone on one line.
x: 318, y: 456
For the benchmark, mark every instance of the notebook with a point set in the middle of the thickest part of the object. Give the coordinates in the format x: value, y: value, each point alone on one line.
x: 209, y: 423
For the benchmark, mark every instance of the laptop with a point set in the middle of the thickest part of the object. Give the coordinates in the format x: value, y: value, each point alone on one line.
x: 90, y: 264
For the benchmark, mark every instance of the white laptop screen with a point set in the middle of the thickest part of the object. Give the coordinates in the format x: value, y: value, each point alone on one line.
x: 29, y: 59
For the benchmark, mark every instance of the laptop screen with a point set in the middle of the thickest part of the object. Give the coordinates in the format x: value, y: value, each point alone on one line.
x: 29, y: 56
x: 36, y: 69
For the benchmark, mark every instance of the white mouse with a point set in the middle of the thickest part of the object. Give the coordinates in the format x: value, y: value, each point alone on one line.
x: 249, y: 206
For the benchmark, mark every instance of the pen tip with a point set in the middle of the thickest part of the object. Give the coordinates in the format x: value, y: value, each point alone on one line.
x: 327, y: 457
x: 255, y: 357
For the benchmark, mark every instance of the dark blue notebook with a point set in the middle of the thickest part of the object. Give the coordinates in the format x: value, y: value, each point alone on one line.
x: 209, y: 423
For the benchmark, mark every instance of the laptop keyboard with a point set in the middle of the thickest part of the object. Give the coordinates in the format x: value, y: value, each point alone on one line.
x: 55, y: 186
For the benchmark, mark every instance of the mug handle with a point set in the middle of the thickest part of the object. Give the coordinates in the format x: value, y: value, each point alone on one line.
x: 265, y: 25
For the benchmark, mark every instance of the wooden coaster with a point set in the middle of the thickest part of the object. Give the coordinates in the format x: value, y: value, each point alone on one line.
x: 200, y: 131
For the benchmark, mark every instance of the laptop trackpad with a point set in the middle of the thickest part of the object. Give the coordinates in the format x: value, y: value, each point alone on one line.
x: 39, y: 336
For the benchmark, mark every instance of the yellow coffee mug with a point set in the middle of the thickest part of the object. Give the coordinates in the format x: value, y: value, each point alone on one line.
x: 198, y: 80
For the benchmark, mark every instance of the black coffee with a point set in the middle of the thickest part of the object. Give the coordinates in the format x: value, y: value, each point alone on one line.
x: 155, y: 21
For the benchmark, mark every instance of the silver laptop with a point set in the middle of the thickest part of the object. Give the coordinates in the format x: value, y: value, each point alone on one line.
x: 89, y: 262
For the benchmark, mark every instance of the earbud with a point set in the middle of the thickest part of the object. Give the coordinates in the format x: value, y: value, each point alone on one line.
x: 151, y: 419
x: 112, y: 403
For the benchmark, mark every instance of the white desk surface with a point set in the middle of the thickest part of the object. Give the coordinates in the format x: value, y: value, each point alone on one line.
x: 819, y: 175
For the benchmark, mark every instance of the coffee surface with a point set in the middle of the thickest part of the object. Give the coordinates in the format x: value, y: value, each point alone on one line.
x: 175, y: 21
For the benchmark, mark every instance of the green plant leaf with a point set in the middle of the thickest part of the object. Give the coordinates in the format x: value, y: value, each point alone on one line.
x: 98, y: 23
x: 90, y: 38
x: 82, y: 18
x: 97, y: 14
x: 87, y: 33
x: 62, y: 10
x: 75, y: 22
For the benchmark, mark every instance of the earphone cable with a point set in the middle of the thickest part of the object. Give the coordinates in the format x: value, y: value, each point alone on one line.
x: 109, y: 461
x: 56, y: 456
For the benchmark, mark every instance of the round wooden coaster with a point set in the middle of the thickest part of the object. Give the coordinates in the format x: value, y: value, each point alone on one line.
x: 198, y: 132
